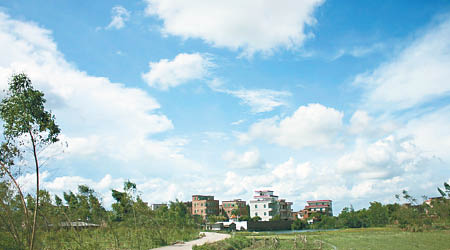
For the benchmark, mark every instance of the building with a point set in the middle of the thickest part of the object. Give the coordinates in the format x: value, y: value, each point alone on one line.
x: 204, y: 205
x: 188, y: 205
x: 323, y: 206
x: 266, y: 205
x: 237, y: 204
x: 155, y: 207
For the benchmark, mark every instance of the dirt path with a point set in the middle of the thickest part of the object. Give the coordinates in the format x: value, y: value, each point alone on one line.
x: 209, y: 237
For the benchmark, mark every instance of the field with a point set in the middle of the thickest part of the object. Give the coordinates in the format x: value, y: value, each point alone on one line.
x: 369, y: 238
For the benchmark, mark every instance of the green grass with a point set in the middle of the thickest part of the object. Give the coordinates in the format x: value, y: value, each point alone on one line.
x: 367, y: 238
x: 384, y: 238
x: 114, y: 238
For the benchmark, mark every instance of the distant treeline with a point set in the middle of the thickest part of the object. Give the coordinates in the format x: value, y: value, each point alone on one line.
x: 79, y: 221
x: 410, y: 216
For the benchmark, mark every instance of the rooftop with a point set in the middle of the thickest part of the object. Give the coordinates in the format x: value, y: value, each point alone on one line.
x: 319, y: 201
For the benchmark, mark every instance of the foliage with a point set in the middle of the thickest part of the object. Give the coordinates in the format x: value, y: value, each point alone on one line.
x: 255, y: 218
x: 276, y: 218
x: 216, y: 218
x: 233, y: 243
x: 139, y: 227
x: 26, y: 124
x: 299, y: 225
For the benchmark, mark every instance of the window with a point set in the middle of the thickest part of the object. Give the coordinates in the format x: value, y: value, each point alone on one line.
x: 264, y: 213
x: 256, y: 214
x: 256, y: 206
x: 264, y: 205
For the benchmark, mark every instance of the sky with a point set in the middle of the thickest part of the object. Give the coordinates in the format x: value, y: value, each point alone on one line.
x: 313, y: 99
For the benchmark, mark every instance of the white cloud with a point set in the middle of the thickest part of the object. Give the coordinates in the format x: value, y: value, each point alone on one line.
x: 249, y: 159
x: 252, y: 25
x: 419, y: 74
x: 183, y: 68
x: 383, y: 159
x: 312, y: 125
x: 119, y: 16
x: 360, y: 121
x: 238, y: 122
x: 359, y: 51
x: 98, y: 118
x: 259, y: 100
x: 431, y: 132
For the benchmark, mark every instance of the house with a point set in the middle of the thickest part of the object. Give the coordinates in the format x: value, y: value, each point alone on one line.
x: 204, y: 205
x: 323, y: 206
x: 237, y: 205
x: 266, y: 205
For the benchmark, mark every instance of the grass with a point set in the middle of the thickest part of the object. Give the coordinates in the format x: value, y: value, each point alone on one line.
x: 384, y: 238
x: 366, y: 238
x: 114, y: 238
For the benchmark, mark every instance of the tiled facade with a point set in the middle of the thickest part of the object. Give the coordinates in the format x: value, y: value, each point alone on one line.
x: 238, y: 204
x: 323, y: 206
x: 204, y: 205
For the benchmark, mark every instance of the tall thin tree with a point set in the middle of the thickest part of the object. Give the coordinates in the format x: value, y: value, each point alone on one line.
x: 26, y: 123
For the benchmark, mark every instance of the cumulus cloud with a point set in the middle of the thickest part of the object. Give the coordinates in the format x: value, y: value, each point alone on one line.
x: 251, y: 26
x: 383, y: 159
x: 417, y: 75
x: 183, y: 68
x: 97, y: 117
x: 431, y: 132
x: 311, y: 125
x: 249, y: 159
x: 119, y: 16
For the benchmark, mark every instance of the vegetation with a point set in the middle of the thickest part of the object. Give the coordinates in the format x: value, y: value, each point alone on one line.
x: 410, y: 216
x: 27, y: 128
x: 363, y: 238
x: 78, y: 221
x: 130, y: 225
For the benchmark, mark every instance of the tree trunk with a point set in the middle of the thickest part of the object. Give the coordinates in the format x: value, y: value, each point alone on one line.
x: 36, y: 206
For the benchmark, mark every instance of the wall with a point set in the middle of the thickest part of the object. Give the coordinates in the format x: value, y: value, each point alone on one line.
x: 269, y: 225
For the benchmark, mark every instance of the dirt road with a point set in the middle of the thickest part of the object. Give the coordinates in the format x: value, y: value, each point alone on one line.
x: 209, y: 237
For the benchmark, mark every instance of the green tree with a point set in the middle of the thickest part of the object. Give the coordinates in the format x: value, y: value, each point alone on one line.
x: 378, y: 214
x: 26, y: 122
x: 445, y: 193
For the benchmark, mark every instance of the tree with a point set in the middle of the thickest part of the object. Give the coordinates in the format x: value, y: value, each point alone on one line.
x: 26, y: 123
x: 445, y: 193
x: 256, y: 218
x: 378, y: 214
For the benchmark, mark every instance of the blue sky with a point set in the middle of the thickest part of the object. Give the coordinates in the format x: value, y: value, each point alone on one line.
x: 312, y: 99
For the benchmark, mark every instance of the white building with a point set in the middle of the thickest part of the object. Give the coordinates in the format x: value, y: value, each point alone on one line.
x: 155, y: 207
x: 266, y: 205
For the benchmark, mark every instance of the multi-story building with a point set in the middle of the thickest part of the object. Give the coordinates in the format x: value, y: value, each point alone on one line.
x: 266, y: 205
x: 239, y: 205
x: 323, y: 206
x: 204, y: 205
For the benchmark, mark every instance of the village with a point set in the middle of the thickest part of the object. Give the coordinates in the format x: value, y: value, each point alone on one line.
x: 266, y: 211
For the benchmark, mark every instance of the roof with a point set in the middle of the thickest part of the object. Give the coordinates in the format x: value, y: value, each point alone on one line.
x: 236, y: 200
x: 263, y: 191
x: 316, y: 206
x: 319, y: 201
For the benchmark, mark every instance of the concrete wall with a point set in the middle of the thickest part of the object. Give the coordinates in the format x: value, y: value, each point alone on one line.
x: 269, y: 225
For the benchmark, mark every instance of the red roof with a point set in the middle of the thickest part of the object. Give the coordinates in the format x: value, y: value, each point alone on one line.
x: 319, y: 201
